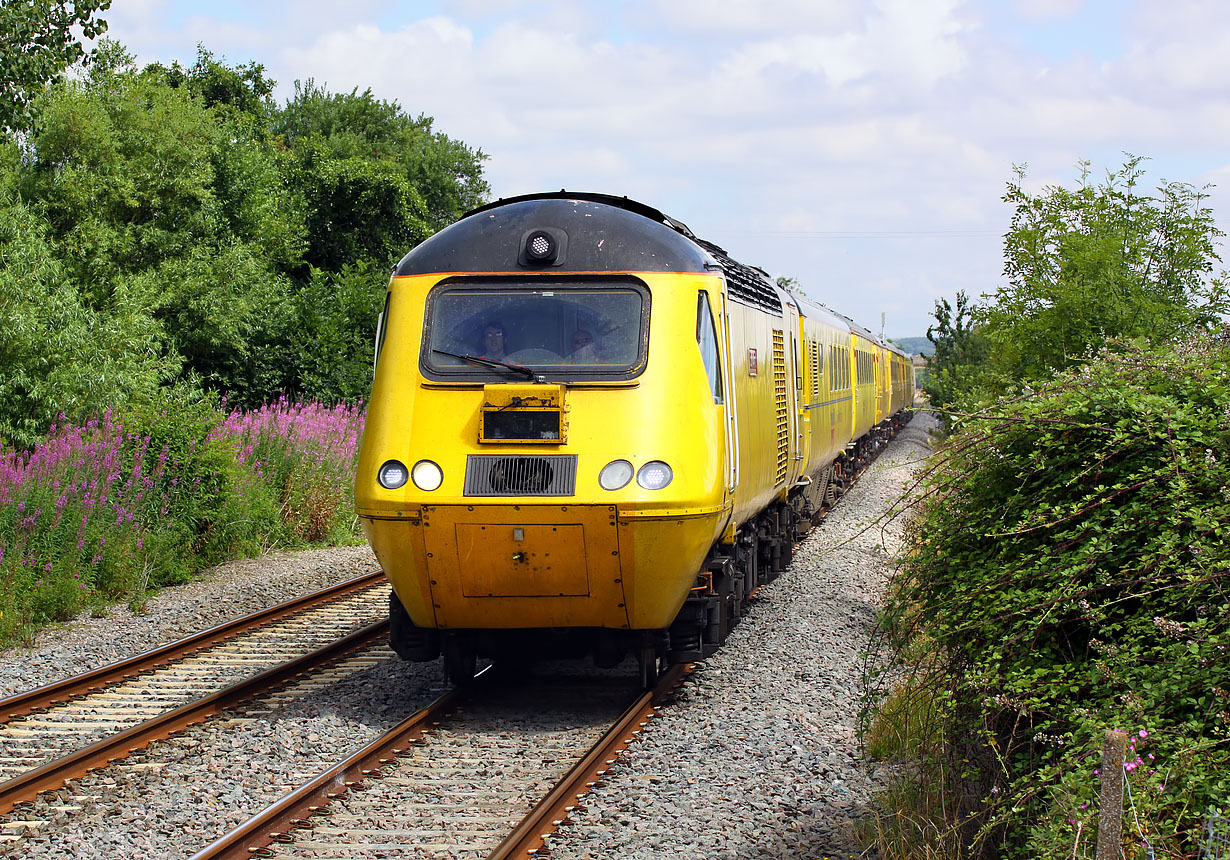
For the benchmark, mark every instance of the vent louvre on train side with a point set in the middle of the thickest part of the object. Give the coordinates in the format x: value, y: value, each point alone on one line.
x: 521, y: 475
x: 780, y: 401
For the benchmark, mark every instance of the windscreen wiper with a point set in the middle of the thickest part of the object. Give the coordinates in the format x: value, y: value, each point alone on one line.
x: 491, y: 362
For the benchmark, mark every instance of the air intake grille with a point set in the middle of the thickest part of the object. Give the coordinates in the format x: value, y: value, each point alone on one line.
x: 780, y: 403
x: 746, y: 284
x: 521, y: 475
x: 816, y: 369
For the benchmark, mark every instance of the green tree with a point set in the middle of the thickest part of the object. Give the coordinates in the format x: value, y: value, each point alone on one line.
x: 152, y: 195
x: 246, y: 247
x: 243, y: 89
x: 335, y: 323
x: 358, y: 210
x: 445, y: 173
x: 59, y: 354
x: 1066, y: 575
x: 958, y: 362
x: 1099, y: 262
x: 37, y: 44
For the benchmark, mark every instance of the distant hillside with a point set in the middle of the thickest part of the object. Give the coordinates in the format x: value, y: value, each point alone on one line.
x: 914, y: 345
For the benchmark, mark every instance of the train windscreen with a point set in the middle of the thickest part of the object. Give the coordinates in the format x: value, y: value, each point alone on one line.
x: 583, y: 329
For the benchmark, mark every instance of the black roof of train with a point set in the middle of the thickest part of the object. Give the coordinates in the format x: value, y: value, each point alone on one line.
x: 596, y: 233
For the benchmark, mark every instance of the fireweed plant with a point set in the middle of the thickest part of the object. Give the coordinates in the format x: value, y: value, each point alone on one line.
x: 305, y: 454
x: 118, y: 506
x: 1068, y: 573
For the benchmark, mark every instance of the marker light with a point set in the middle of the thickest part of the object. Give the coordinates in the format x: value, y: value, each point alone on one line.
x: 392, y: 475
x: 615, y: 475
x: 654, y: 475
x: 427, y: 475
x: 540, y: 247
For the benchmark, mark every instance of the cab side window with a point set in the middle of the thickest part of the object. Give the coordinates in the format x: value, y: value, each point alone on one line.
x: 706, y: 339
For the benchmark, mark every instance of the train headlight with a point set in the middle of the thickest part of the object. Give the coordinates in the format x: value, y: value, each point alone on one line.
x: 615, y: 475
x: 427, y: 475
x: 654, y: 475
x: 392, y: 475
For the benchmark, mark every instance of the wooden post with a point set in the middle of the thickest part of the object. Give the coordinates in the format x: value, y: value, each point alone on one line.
x: 1110, y: 805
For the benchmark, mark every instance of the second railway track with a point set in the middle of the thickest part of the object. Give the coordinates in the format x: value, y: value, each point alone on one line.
x: 67, y: 728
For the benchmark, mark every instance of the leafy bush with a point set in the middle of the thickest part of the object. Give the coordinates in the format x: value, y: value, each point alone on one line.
x: 1067, y: 575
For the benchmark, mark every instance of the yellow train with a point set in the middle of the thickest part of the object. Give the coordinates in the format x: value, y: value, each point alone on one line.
x: 589, y: 429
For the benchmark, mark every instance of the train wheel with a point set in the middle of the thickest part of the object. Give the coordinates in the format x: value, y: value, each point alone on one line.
x: 647, y: 663
x: 460, y: 660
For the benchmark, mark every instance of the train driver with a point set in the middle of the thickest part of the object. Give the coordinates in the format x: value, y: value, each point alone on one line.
x: 493, y: 342
x: 582, y: 348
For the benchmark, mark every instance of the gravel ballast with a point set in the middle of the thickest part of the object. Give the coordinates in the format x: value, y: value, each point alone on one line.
x: 758, y: 757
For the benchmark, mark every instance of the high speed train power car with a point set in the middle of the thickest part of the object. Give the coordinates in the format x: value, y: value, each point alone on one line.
x: 589, y: 429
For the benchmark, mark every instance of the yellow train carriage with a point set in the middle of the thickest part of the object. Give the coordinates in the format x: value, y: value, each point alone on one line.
x: 901, y: 372
x: 770, y: 436
x: 588, y: 424
x: 827, y: 402
x: 862, y: 372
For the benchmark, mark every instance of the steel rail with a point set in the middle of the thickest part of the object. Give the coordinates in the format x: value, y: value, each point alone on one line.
x: 55, y: 773
x: 530, y: 835
x: 251, y: 839
x: 21, y: 704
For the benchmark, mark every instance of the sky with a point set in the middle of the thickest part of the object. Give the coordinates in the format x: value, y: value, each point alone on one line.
x: 861, y: 147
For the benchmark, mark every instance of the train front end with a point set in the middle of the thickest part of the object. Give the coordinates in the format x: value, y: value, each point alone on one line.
x: 542, y: 458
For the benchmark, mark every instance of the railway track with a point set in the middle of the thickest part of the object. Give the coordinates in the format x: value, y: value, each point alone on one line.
x: 64, y: 730
x: 484, y: 772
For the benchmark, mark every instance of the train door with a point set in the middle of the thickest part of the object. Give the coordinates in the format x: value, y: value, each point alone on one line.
x: 730, y: 411
x: 797, y: 447
x: 880, y: 382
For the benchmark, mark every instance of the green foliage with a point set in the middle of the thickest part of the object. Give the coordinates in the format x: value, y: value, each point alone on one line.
x: 239, y: 90
x: 1067, y: 575
x: 172, y: 225
x: 220, y: 513
x: 114, y: 508
x: 332, y: 338
x: 58, y: 353
x: 445, y: 173
x: 956, y: 366
x: 122, y: 165
x: 1085, y: 268
x: 358, y: 210
x: 1100, y: 262
x: 38, y: 42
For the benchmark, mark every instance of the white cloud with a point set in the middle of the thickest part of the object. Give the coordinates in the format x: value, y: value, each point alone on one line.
x: 907, y: 42
x: 741, y: 17
x: 1047, y: 10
